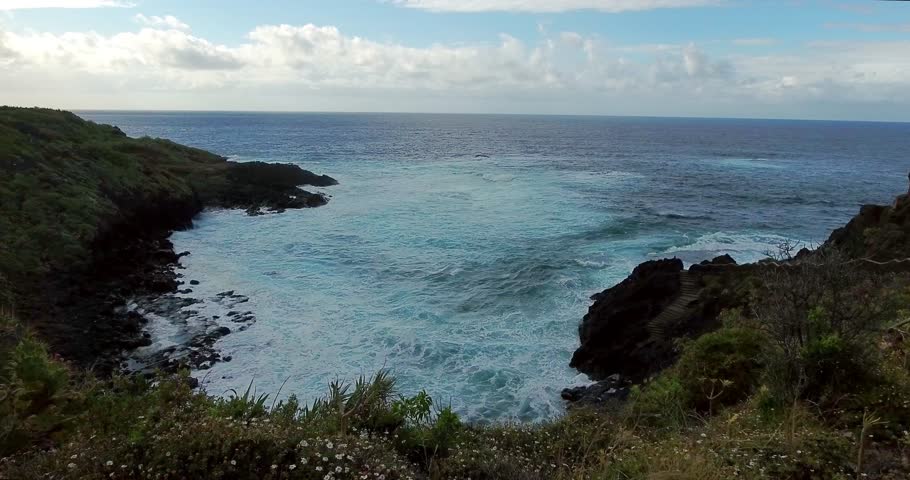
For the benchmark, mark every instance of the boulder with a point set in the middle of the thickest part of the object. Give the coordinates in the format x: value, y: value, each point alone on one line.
x: 613, y: 388
x: 614, y: 334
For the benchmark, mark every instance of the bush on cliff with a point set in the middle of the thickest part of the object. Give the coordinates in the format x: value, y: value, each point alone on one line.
x: 37, y: 400
x: 722, y: 367
x: 822, y: 316
x: 718, y: 369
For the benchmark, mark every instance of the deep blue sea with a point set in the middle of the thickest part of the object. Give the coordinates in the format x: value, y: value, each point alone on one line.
x: 460, y: 251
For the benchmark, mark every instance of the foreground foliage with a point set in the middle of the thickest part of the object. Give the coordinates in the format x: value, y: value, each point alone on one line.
x: 721, y: 412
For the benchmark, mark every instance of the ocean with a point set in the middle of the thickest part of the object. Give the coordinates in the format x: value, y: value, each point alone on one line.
x: 460, y: 251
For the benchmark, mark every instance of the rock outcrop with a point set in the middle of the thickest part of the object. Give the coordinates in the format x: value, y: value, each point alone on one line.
x: 878, y: 232
x: 632, y: 328
x: 614, y: 388
x: 614, y: 335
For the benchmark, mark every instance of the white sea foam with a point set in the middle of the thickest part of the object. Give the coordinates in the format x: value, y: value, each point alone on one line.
x: 590, y: 263
x: 762, y: 163
x: 744, y: 247
x: 474, y: 298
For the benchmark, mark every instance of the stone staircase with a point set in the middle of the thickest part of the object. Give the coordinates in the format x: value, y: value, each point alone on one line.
x: 688, y: 293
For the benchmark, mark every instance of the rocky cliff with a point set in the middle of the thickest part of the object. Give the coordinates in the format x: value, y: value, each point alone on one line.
x: 632, y: 328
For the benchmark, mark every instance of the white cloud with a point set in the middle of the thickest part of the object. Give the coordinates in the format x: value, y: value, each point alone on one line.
x: 34, y: 4
x: 166, y: 22
x: 124, y: 54
x: 549, y: 6
x: 320, y: 67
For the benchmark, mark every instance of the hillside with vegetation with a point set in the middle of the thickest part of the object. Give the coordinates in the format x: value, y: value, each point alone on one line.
x: 85, y: 212
x: 792, y: 368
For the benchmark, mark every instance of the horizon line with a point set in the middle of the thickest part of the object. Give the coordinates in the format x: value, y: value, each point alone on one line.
x: 591, y: 115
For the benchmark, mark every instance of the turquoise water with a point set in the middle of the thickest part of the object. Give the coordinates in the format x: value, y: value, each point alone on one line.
x: 460, y: 251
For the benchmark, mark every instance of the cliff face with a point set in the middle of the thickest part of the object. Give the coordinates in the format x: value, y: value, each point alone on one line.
x: 632, y: 328
x: 878, y: 232
x: 85, y: 212
x: 614, y: 337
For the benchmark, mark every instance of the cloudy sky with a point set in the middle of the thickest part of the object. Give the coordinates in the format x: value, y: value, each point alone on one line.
x: 830, y: 59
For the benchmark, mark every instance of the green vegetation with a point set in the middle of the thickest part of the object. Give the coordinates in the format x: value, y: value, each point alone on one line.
x: 66, y: 183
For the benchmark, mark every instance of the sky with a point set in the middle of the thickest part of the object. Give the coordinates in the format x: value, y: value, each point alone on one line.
x: 811, y: 59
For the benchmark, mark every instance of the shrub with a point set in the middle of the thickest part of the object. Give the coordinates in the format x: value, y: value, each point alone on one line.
x: 37, y: 401
x: 721, y: 368
x: 425, y: 436
x: 717, y: 369
x: 661, y: 402
x: 821, y: 315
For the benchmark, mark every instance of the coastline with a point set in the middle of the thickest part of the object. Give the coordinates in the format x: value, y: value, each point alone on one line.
x: 74, y: 284
x: 139, y: 283
x: 134, y: 274
x: 635, y: 329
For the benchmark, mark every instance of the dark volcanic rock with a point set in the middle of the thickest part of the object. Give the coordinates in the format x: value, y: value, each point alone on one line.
x: 132, y: 257
x: 614, y: 334
x: 613, y: 389
x: 878, y: 232
x: 282, y: 174
x: 631, y: 328
x: 724, y: 259
x: 255, y: 186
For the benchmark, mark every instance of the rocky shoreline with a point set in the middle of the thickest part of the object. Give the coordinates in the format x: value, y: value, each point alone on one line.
x: 633, y: 330
x: 135, y: 274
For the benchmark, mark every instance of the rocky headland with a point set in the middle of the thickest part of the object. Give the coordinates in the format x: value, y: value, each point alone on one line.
x: 85, y: 217
x: 632, y: 331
